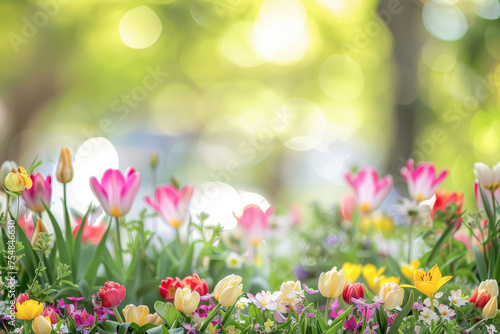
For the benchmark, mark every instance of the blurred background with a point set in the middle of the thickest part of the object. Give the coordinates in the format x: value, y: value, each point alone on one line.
x: 275, y: 97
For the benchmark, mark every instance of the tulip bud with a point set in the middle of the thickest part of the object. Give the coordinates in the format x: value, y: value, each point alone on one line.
x: 392, y: 295
x: 112, y: 294
x: 353, y: 290
x: 228, y: 289
x: 51, y: 314
x: 153, y: 160
x: 41, y: 325
x: 186, y: 301
x: 331, y: 284
x: 18, y: 181
x: 64, y: 171
x: 491, y: 309
x: 40, y: 228
x: 21, y: 299
x: 491, y: 286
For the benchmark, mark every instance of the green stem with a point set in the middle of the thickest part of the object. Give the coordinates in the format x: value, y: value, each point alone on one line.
x: 27, y: 326
x: 7, y: 209
x: 118, y: 244
x: 364, y: 322
x: 432, y: 310
x: 209, y: 318
x: 117, y: 315
x: 181, y: 244
x: 327, y: 307
x: 410, y: 248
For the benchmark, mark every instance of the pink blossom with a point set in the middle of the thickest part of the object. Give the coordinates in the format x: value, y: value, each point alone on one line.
x: 91, y: 233
x: 116, y: 192
x: 39, y: 193
x: 422, y: 180
x: 171, y: 203
x: 369, y: 188
x: 255, y: 222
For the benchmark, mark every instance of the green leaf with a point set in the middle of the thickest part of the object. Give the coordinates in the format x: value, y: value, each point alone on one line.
x: 107, y: 327
x: 439, y: 243
x: 404, y: 312
x: 60, y: 243
x: 254, y: 313
x: 30, y: 260
x: 170, y: 314
x: 382, y: 319
x: 340, y: 319
x: 486, y: 202
x: 78, y: 241
x: 91, y: 271
x: 480, y: 264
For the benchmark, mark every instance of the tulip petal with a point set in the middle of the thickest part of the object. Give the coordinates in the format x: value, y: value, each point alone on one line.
x: 101, y: 194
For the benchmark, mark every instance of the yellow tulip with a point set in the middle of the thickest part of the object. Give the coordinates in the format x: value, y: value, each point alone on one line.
x: 391, y: 279
x: 428, y: 282
x: 40, y: 227
x: 490, y: 310
x: 42, y: 325
x: 29, y: 310
x: 64, y: 172
x: 186, y: 301
x: 140, y: 315
x: 228, y: 289
x: 409, y: 270
x: 331, y: 284
x: 372, y: 276
x: 392, y: 295
x: 381, y: 223
x: 18, y: 181
x: 352, y: 271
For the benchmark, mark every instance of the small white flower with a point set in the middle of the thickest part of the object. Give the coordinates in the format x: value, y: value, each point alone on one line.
x: 427, y: 315
x: 490, y: 329
x: 234, y: 261
x: 242, y: 303
x: 427, y: 302
x: 410, y: 210
x: 456, y: 298
x: 446, y: 313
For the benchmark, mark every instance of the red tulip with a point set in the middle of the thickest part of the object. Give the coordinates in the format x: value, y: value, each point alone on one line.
x: 51, y: 313
x: 168, y: 287
x: 443, y: 198
x: 91, y: 233
x: 196, y: 283
x: 112, y: 294
x: 353, y: 290
x: 480, y: 298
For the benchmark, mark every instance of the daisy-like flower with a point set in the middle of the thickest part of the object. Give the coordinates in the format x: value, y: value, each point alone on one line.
x: 427, y: 315
x: 410, y: 210
x: 456, y: 298
x: 266, y: 300
x: 490, y: 329
x: 446, y: 312
x: 234, y: 261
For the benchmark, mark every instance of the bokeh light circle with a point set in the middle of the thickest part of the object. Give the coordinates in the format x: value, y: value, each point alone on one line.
x: 217, y: 199
x: 300, y: 124
x: 440, y: 56
x: 444, y: 21
x: 238, y: 45
x: 92, y: 158
x: 280, y: 31
x: 341, y: 78
x: 140, y: 27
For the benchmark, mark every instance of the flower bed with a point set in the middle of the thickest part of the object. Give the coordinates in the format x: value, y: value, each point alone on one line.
x: 119, y: 276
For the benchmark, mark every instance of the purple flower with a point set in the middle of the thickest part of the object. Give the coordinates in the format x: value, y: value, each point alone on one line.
x: 301, y: 273
x: 309, y: 291
x: 75, y: 300
x: 331, y: 240
x: 352, y: 324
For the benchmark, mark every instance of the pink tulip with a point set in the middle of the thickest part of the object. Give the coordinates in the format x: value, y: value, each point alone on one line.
x: 27, y: 225
x: 40, y: 191
x: 347, y: 205
x: 171, y: 203
x: 255, y: 222
x: 422, y: 181
x: 369, y: 188
x: 116, y: 193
